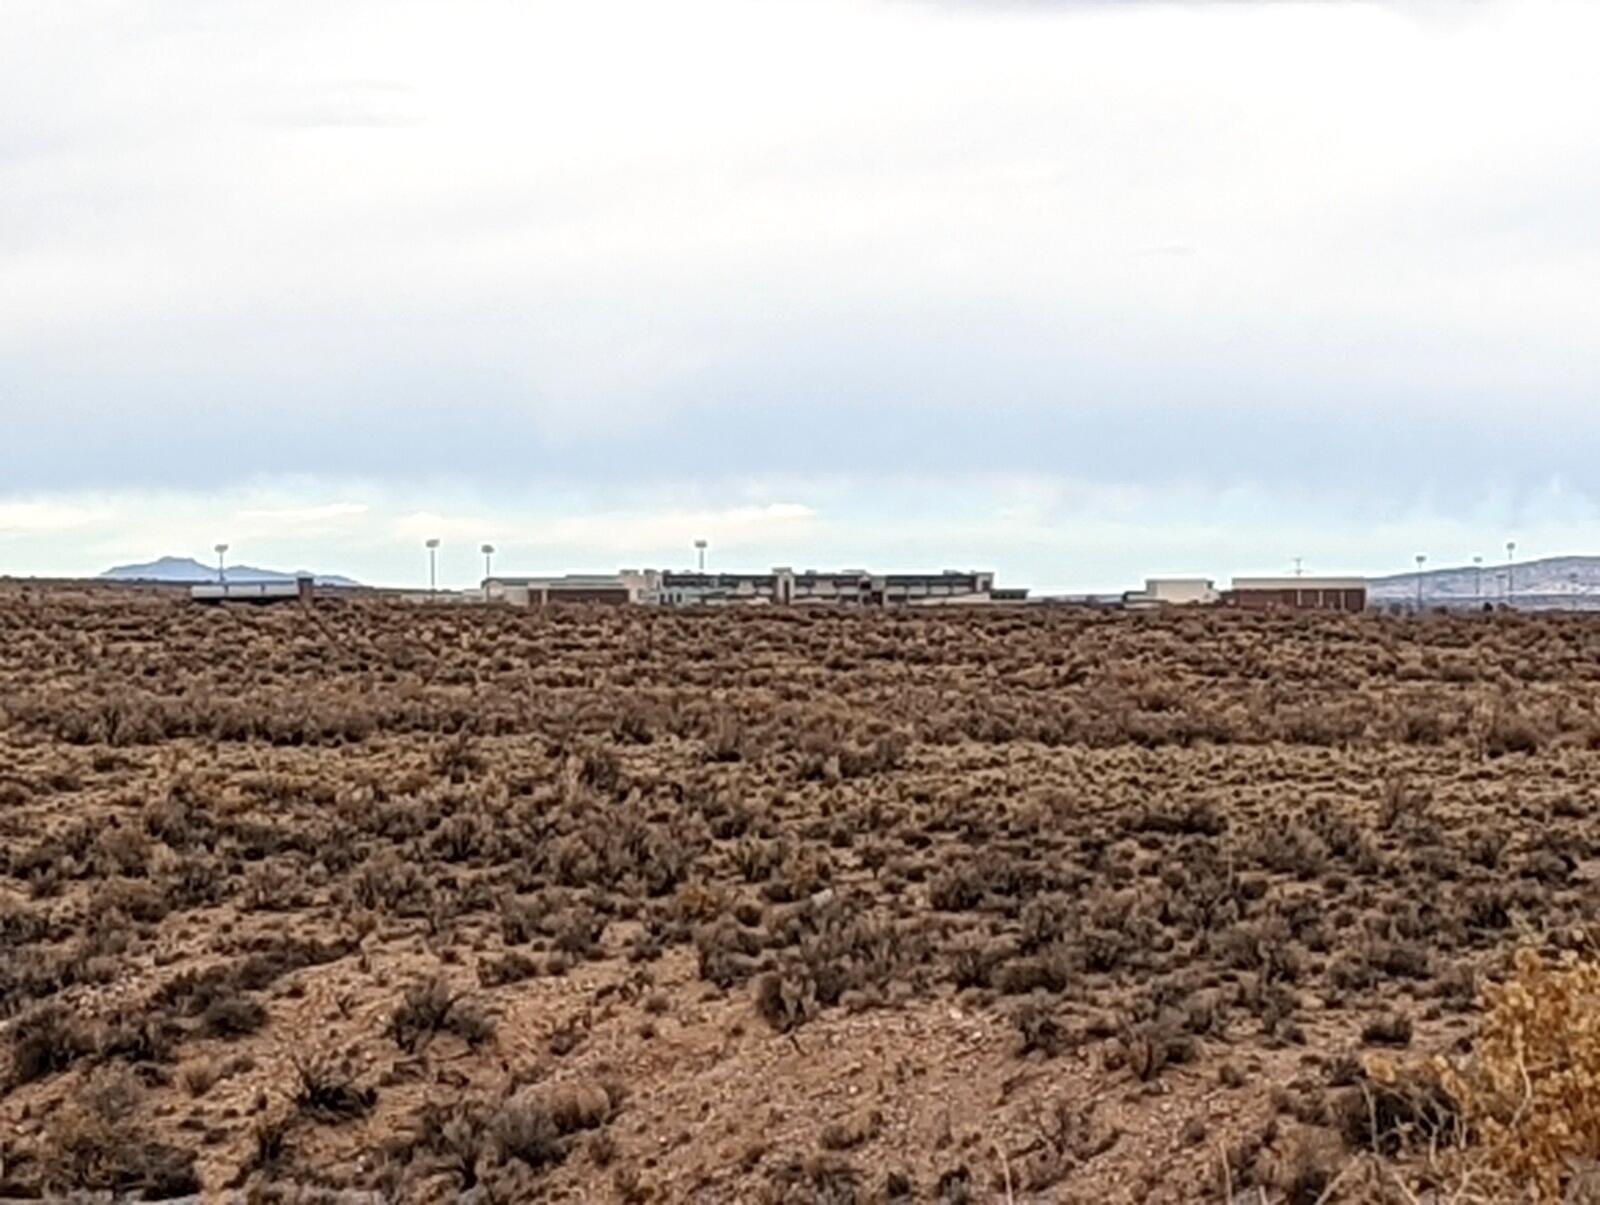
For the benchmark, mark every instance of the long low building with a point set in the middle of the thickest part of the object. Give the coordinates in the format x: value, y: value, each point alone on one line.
x: 1298, y: 593
x: 302, y: 589
x: 848, y: 587
x: 615, y: 589
x: 778, y: 587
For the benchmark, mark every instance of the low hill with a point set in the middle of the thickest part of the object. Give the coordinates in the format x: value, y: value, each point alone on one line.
x: 182, y: 570
x: 1550, y: 582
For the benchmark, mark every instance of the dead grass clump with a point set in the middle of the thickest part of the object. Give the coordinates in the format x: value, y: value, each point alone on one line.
x: 46, y: 1041
x: 1301, y: 1166
x: 1045, y: 919
x: 1036, y: 1022
x: 1530, y: 1093
x: 387, y: 882
x: 972, y: 960
x: 1070, y: 1135
x: 1511, y: 732
x: 430, y: 1007
x: 534, y: 1126
x: 958, y: 888
x: 1390, y: 1029
x: 727, y: 952
x: 1394, y: 1107
x: 95, y: 1141
x: 1148, y: 1047
x: 818, y: 1180
x: 1399, y: 803
x: 577, y: 931
x: 1191, y: 816
x: 1049, y: 971
x: 325, y: 1089
x: 232, y: 1016
x: 514, y: 967
x: 137, y: 1035
x: 786, y: 1000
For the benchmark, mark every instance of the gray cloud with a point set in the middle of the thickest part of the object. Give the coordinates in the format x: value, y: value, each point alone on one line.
x: 1302, y: 253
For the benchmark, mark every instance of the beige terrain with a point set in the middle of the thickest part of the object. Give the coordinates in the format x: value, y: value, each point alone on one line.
x: 635, y: 905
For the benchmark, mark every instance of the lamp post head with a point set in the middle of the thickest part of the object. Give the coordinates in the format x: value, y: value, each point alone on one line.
x: 431, y: 543
x: 487, y: 550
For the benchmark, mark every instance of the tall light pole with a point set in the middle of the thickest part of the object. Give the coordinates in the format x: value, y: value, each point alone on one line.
x: 222, y: 572
x: 1511, y: 573
x: 1477, y: 578
x: 488, y: 553
x: 1421, y: 560
x: 700, y: 548
x: 1297, y: 566
x: 433, y: 565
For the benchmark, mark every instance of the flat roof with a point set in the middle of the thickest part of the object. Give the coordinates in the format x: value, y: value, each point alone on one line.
x: 569, y: 579
x: 1299, y: 583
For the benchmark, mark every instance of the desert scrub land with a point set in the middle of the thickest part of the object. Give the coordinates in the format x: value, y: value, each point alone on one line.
x: 606, y: 905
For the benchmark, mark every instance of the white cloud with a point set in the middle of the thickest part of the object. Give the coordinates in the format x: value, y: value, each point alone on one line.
x: 727, y: 529
x: 325, y: 513
x: 419, y: 526
x: 32, y: 518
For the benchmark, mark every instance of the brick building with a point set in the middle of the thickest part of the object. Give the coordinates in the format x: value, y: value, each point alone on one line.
x: 1298, y: 593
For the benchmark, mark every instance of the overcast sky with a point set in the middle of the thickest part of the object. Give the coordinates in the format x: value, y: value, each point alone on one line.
x: 1077, y: 291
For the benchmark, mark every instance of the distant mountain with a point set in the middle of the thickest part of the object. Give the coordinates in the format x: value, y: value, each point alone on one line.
x: 183, y: 570
x: 1563, y: 581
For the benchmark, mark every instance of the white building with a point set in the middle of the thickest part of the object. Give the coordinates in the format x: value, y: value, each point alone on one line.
x: 623, y: 587
x: 847, y: 588
x: 302, y: 588
x: 1172, y: 592
x: 778, y: 587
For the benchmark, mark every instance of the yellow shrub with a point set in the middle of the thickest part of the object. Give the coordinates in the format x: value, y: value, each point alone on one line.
x: 1530, y: 1093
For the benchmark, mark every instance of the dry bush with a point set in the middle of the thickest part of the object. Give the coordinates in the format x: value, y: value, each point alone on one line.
x: 818, y: 1180
x: 46, y: 1041
x: 1129, y: 835
x: 1530, y: 1093
x: 325, y: 1089
x: 430, y: 1007
x: 96, y: 1142
x: 536, y: 1125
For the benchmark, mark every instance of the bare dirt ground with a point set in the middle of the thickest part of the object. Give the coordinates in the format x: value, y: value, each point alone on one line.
x: 597, y: 905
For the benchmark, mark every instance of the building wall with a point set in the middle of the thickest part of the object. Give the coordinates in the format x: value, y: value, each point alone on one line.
x: 780, y: 587
x: 1299, y: 599
x: 615, y: 596
x: 1181, y: 591
x: 628, y: 586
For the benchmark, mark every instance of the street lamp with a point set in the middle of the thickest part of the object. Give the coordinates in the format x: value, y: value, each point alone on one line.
x: 700, y: 549
x: 222, y: 573
x: 488, y: 552
x: 1477, y: 577
x: 1297, y: 566
x: 1421, y: 559
x: 1511, y: 572
x: 433, y: 565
